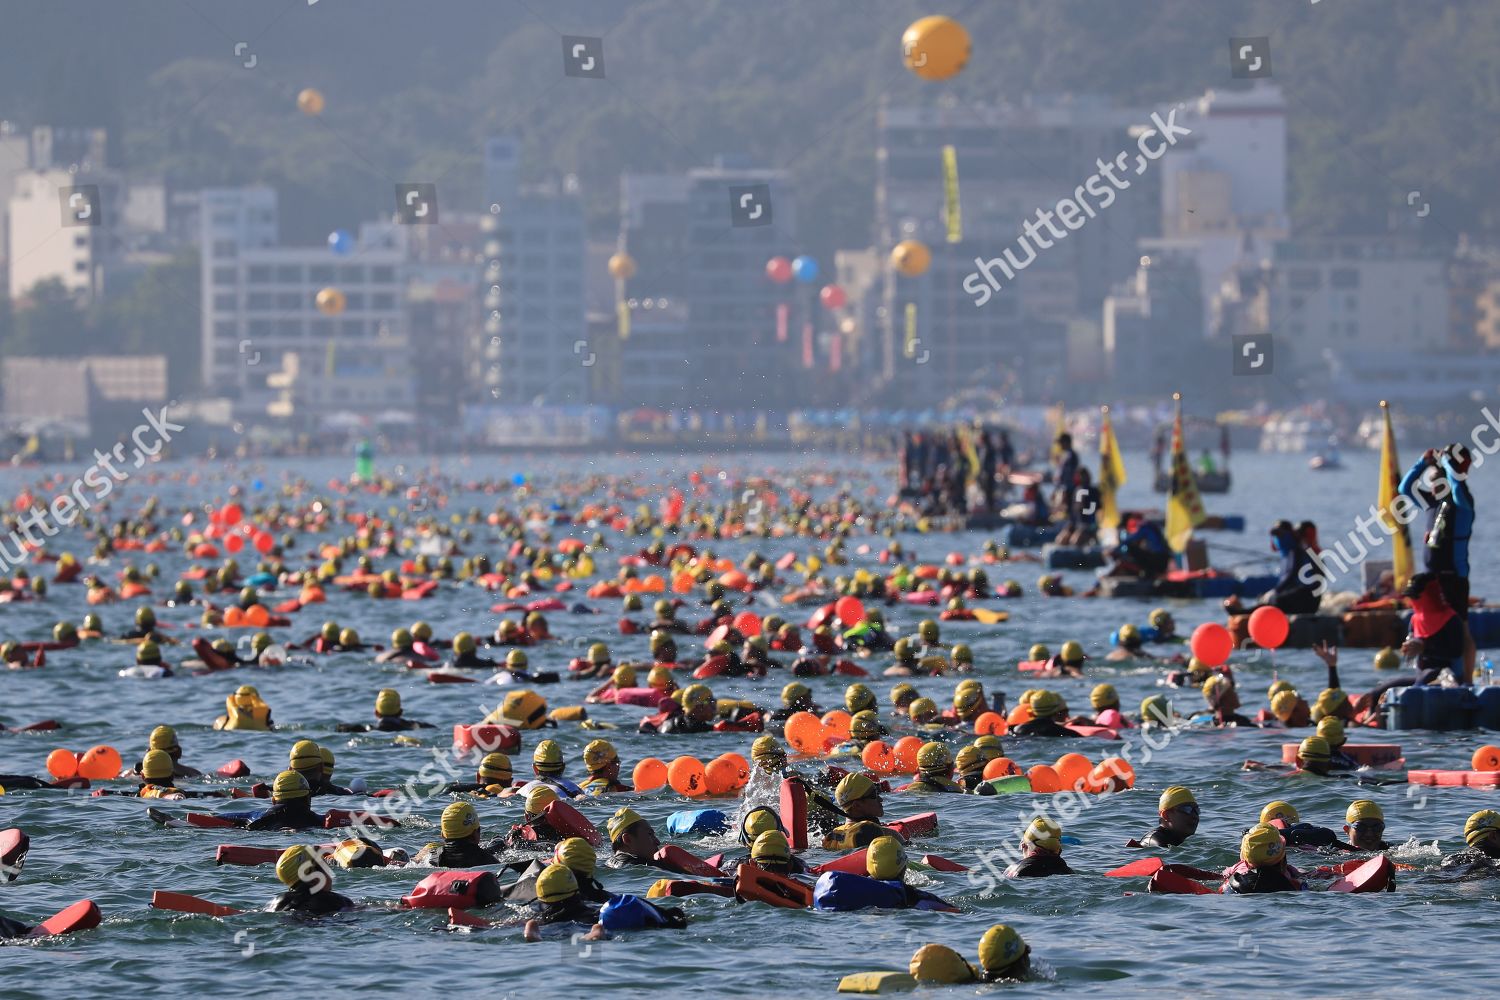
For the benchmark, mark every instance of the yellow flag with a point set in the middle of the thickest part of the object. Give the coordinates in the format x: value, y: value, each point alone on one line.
x: 952, y: 217
x: 1184, y: 505
x: 1059, y: 426
x: 622, y: 311
x: 1390, y: 479
x: 909, y: 346
x: 966, y: 438
x: 1111, y: 472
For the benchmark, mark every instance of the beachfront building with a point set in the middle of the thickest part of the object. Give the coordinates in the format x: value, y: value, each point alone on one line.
x: 1153, y: 329
x: 532, y: 258
x: 260, y: 305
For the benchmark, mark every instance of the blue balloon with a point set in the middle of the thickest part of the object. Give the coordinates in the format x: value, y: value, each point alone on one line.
x: 805, y: 269
x: 340, y: 241
x: 519, y: 479
x: 257, y: 485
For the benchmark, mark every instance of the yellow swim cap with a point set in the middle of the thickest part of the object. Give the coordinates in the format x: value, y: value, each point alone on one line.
x: 463, y: 643
x: 962, y: 653
x: 577, y: 854
x: 796, y: 693
x: 247, y: 692
x: 934, y: 757
x: 156, y: 764
x: 922, y: 708
x: 771, y: 846
x: 598, y: 754
x: 1280, y: 810
x: 1331, y: 728
x: 1314, y: 748
x: 598, y: 653
x: 1262, y: 846
x: 938, y: 963
x: 1277, y: 687
x: 1159, y: 617
x: 401, y: 639
x: 1072, y: 652
x: 496, y: 767
x: 1156, y: 709
x: 696, y: 694
x: 968, y: 759
x: 1484, y: 823
x: 459, y: 821
x: 758, y: 821
x: 305, y: 756
x: 1128, y: 635
x: 903, y: 694
x: 885, y: 859
x: 621, y: 822
x: 556, y: 883
x: 163, y: 738
x: 1044, y: 834
x: 539, y: 798
x: 516, y: 659
x: 1038, y: 651
x: 1330, y: 702
x: 857, y: 698
x: 289, y: 785
x: 1104, y: 696
x: 547, y: 756
x: 1000, y: 948
x: 387, y: 703
x: 989, y: 747
x: 853, y: 787
x: 659, y: 678
x: 1045, y: 704
x: 967, y: 698
x: 927, y: 629
x: 766, y: 752
x: 624, y: 676
x: 1387, y: 659
x: 1176, y: 795
x: 328, y: 760
x: 864, y: 725
x: 300, y: 865
x: 1284, y: 703
x: 1361, y: 809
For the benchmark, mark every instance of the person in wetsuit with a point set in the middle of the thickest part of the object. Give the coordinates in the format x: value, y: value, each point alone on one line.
x: 1047, y: 712
x: 1481, y: 854
x: 388, y: 717
x: 602, y: 761
x: 1179, y: 812
x: 1041, y: 851
x: 460, y: 848
x: 934, y: 771
x: 1450, y: 526
x: 291, y: 806
x: 1298, y: 584
x: 1263, y: 866
x: 309, y: 885
x: 493, y: 777
x: 1143, y: 550
x: 578, y: 856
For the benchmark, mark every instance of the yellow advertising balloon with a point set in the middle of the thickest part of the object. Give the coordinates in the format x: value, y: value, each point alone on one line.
x: 935, y: 48
x: 621, y: 266
x: 331, y: 301
x: 310, y: 101
x: 911, y: 258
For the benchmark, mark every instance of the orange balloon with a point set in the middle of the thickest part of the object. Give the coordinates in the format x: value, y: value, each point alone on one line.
x: 804, y: 731
x: 685, y: 775
x: 100, y: 764
x: 1487, y: 758
x: 234, y: 616
x: 1001, y: 767
x: 741, y: 769
x: 62, y: 764
x: 836, y: 725
x: 649, y: 775
x: 878, y: 757
x: 683, y: 583
x: 257, y: 615
x: 1019, y: 716
x: 1043, y: 779
x: 990, y: 724
x: 719, y: 776
x: 1073, y: 769
x: 905, y: 752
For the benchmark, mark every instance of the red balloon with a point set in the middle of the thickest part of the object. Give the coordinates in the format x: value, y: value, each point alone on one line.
x: 264, y: 543
x: 1212, y: 644
x: 231, y: 514
x: 832, y: 297
x: 1269, y: 627
x: 234, y: 543
x: 850, y: 611
x: 779, y: 270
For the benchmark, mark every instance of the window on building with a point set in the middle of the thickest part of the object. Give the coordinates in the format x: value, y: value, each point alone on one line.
x: 260, y: 328
x: 1304, y: 279
x: 384, y: 274
x: 225, y: 248
x: 225, y: 329
x: 289, y: 273
x: 224, y: 302
x: 356, y: 300
x: 80, y: 266
x: 382, y: 300
x: 1343, y: 277
x: 258, y: 300
x: 320, y: 273
x: 260, y: 273
x: 289, y: 328
x: 289, y: 300
x: 352, y: 274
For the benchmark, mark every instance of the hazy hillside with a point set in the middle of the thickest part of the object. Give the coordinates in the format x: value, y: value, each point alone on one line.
x: 1374, y: 88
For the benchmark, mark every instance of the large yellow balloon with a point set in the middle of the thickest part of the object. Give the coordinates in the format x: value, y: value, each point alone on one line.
x: 935, y: 48
x: 310, y: 101
x: 911, y: 258
x: 331, y: 302
x: 622, y: 266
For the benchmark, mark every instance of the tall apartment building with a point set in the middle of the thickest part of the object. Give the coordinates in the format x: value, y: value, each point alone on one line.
x: 259, y: 305
x: 704, y: 326
x: 533, y: 254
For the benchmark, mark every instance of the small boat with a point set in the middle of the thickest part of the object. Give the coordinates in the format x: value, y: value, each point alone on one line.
x: 1325, y: 463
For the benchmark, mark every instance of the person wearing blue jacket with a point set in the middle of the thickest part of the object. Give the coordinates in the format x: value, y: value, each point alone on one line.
x: 1450, y: 526
x: 1296, y: 591
x: 1143, y: 550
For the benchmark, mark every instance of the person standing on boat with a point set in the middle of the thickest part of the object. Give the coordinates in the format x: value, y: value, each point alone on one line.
x: 1064, y: 469
x: 1450, y: 525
